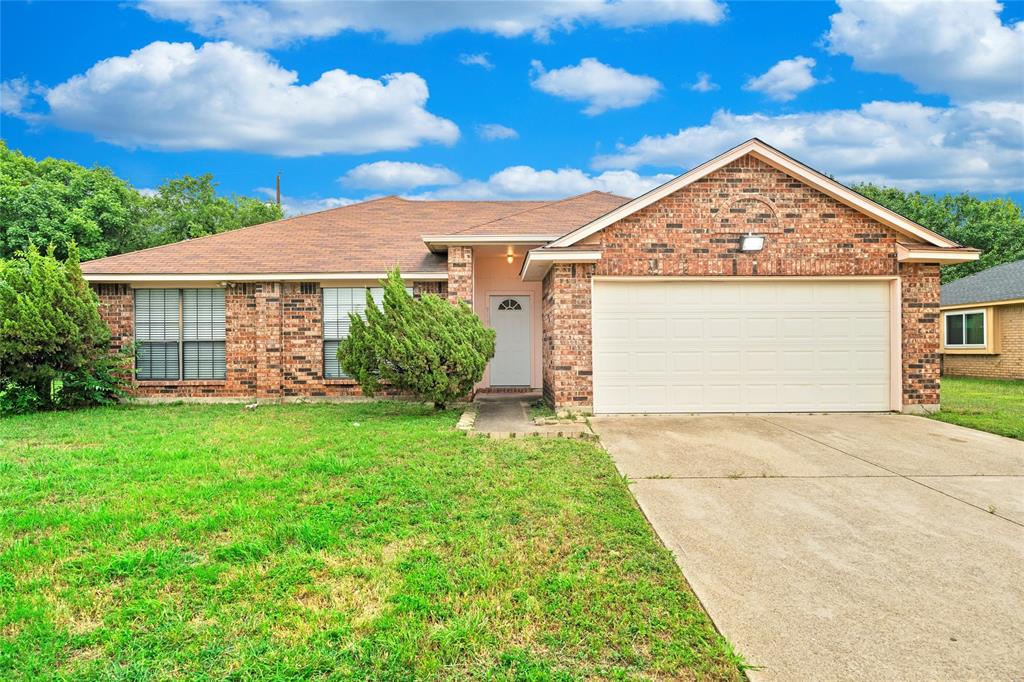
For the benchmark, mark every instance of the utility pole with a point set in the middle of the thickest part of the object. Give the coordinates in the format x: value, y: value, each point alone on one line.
x: 279, y: 188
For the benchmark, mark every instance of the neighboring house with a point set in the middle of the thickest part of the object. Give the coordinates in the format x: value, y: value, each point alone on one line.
x: 750, y: 283
x: 983, y: 323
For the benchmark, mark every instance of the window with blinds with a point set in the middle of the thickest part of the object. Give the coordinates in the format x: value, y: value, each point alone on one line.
x: 180, y: 334
x: 338, y: 303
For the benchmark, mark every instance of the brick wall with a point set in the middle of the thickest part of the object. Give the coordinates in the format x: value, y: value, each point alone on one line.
x: 460, y: 274
x: 921, y: 358
x: 1008, y: 363
x: 273, y: 343
x: 697, y: 231
x: 566, y: 350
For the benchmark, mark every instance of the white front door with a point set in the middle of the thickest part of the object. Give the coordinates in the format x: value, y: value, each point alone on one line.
x: 741, y: 346
x: 510, y: 319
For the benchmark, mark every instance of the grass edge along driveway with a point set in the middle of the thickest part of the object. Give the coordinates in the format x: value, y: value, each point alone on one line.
x: 351, y: 541
x: 994, y: 405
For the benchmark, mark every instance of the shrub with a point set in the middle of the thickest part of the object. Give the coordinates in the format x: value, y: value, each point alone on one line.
x: 54, y: 347
x: 425, y: 346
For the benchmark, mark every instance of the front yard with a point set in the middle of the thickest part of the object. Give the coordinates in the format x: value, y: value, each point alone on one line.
x: 986, y: 404
x: 360, y: 541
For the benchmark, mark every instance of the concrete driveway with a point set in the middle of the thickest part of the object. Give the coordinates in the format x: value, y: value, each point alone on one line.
x: 872, y: 547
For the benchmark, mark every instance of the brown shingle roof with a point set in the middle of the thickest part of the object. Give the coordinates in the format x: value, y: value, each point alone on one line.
x: 371, y: 237
x: 554, y: 218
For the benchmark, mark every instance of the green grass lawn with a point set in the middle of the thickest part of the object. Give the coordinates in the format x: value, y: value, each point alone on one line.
x: 359, y: 541
x: 986, y: 404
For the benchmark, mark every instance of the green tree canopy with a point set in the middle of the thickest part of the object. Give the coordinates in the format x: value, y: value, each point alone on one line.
x: 58, y: 202
x: 996, y: 226
x: 189, y: 207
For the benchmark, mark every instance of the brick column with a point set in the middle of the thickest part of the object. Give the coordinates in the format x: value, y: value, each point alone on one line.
x: 268, y: 341
x: 460, y: 274
x: 567, y: 356
x: 921, y: 352
x: 117, y: 309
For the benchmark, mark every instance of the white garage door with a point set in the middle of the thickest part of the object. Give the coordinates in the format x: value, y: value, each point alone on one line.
x: 741, y: 346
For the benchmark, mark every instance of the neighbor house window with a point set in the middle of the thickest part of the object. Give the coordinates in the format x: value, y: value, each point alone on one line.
x: 338, y: 303
x: 180, y: 334
x: 965, y: 329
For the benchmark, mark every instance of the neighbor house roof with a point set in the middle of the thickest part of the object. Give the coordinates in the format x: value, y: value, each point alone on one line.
x: 369, y: 237
x: 1000, y: 283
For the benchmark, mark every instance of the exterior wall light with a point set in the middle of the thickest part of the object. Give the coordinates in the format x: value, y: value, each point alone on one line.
x: 509, y: 256
x: 752, y: 242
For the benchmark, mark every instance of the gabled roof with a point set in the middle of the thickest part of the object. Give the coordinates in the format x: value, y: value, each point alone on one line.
x: 369, y: 237
x: 782, y: 162
x: 1000, y: 283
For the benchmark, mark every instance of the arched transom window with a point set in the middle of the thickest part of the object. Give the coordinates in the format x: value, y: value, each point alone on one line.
x: 510, y: 304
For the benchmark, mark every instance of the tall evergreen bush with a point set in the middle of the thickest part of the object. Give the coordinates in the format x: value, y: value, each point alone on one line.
x: 54, y: 347
x: 427, y: 346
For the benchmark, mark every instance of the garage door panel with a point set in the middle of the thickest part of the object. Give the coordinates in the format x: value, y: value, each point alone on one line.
x: 676, y: 346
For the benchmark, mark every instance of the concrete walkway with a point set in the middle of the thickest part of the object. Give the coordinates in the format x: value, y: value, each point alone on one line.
x: 506, y: 415
x: 841, y: 547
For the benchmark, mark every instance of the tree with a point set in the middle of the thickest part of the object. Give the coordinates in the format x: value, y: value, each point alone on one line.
x: 426, y: 346
x: 59, y: 202
x: 996, y: 226
x: 189, y: 207
x: 54, y: 347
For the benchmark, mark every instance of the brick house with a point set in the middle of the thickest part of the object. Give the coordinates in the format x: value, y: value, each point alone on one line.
x: 983, y: 323
x: 750, y: 283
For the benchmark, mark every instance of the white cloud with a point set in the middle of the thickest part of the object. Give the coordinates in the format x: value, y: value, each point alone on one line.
x: 972, y: 148
x: 15, y: 96
x: 704, y: 83
x: 524, y: 182
x: 293, y: 206
x: 148, y: 191
x: 280, y: 22
x: 785, y: 80
x: 958, y: 48
x: 386, y: 175
x: 496, y: 131
x: 603, y: 87
x: 221, y: 96
x: 476, y: 60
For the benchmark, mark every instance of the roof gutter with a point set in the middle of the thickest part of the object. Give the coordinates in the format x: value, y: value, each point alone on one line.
x: 440, y: 243
x: 257, y: 277
x: 908, y: 253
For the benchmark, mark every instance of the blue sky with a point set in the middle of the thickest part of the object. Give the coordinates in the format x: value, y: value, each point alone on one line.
x: 515, y: 99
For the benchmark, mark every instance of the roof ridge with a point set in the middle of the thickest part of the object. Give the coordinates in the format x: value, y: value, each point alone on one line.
x: 527, y: 210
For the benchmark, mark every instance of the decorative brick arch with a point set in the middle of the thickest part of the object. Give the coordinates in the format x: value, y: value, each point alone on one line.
x: 748, y: 213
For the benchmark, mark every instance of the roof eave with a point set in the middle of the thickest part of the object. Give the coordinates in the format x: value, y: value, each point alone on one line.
x: 929, y: 254
x: 100, y: 277
x: 539, y: 261
x: 440, y: 243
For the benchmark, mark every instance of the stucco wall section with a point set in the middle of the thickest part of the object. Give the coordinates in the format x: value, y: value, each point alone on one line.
x: 1008, y: 363
x: 495, y: 276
